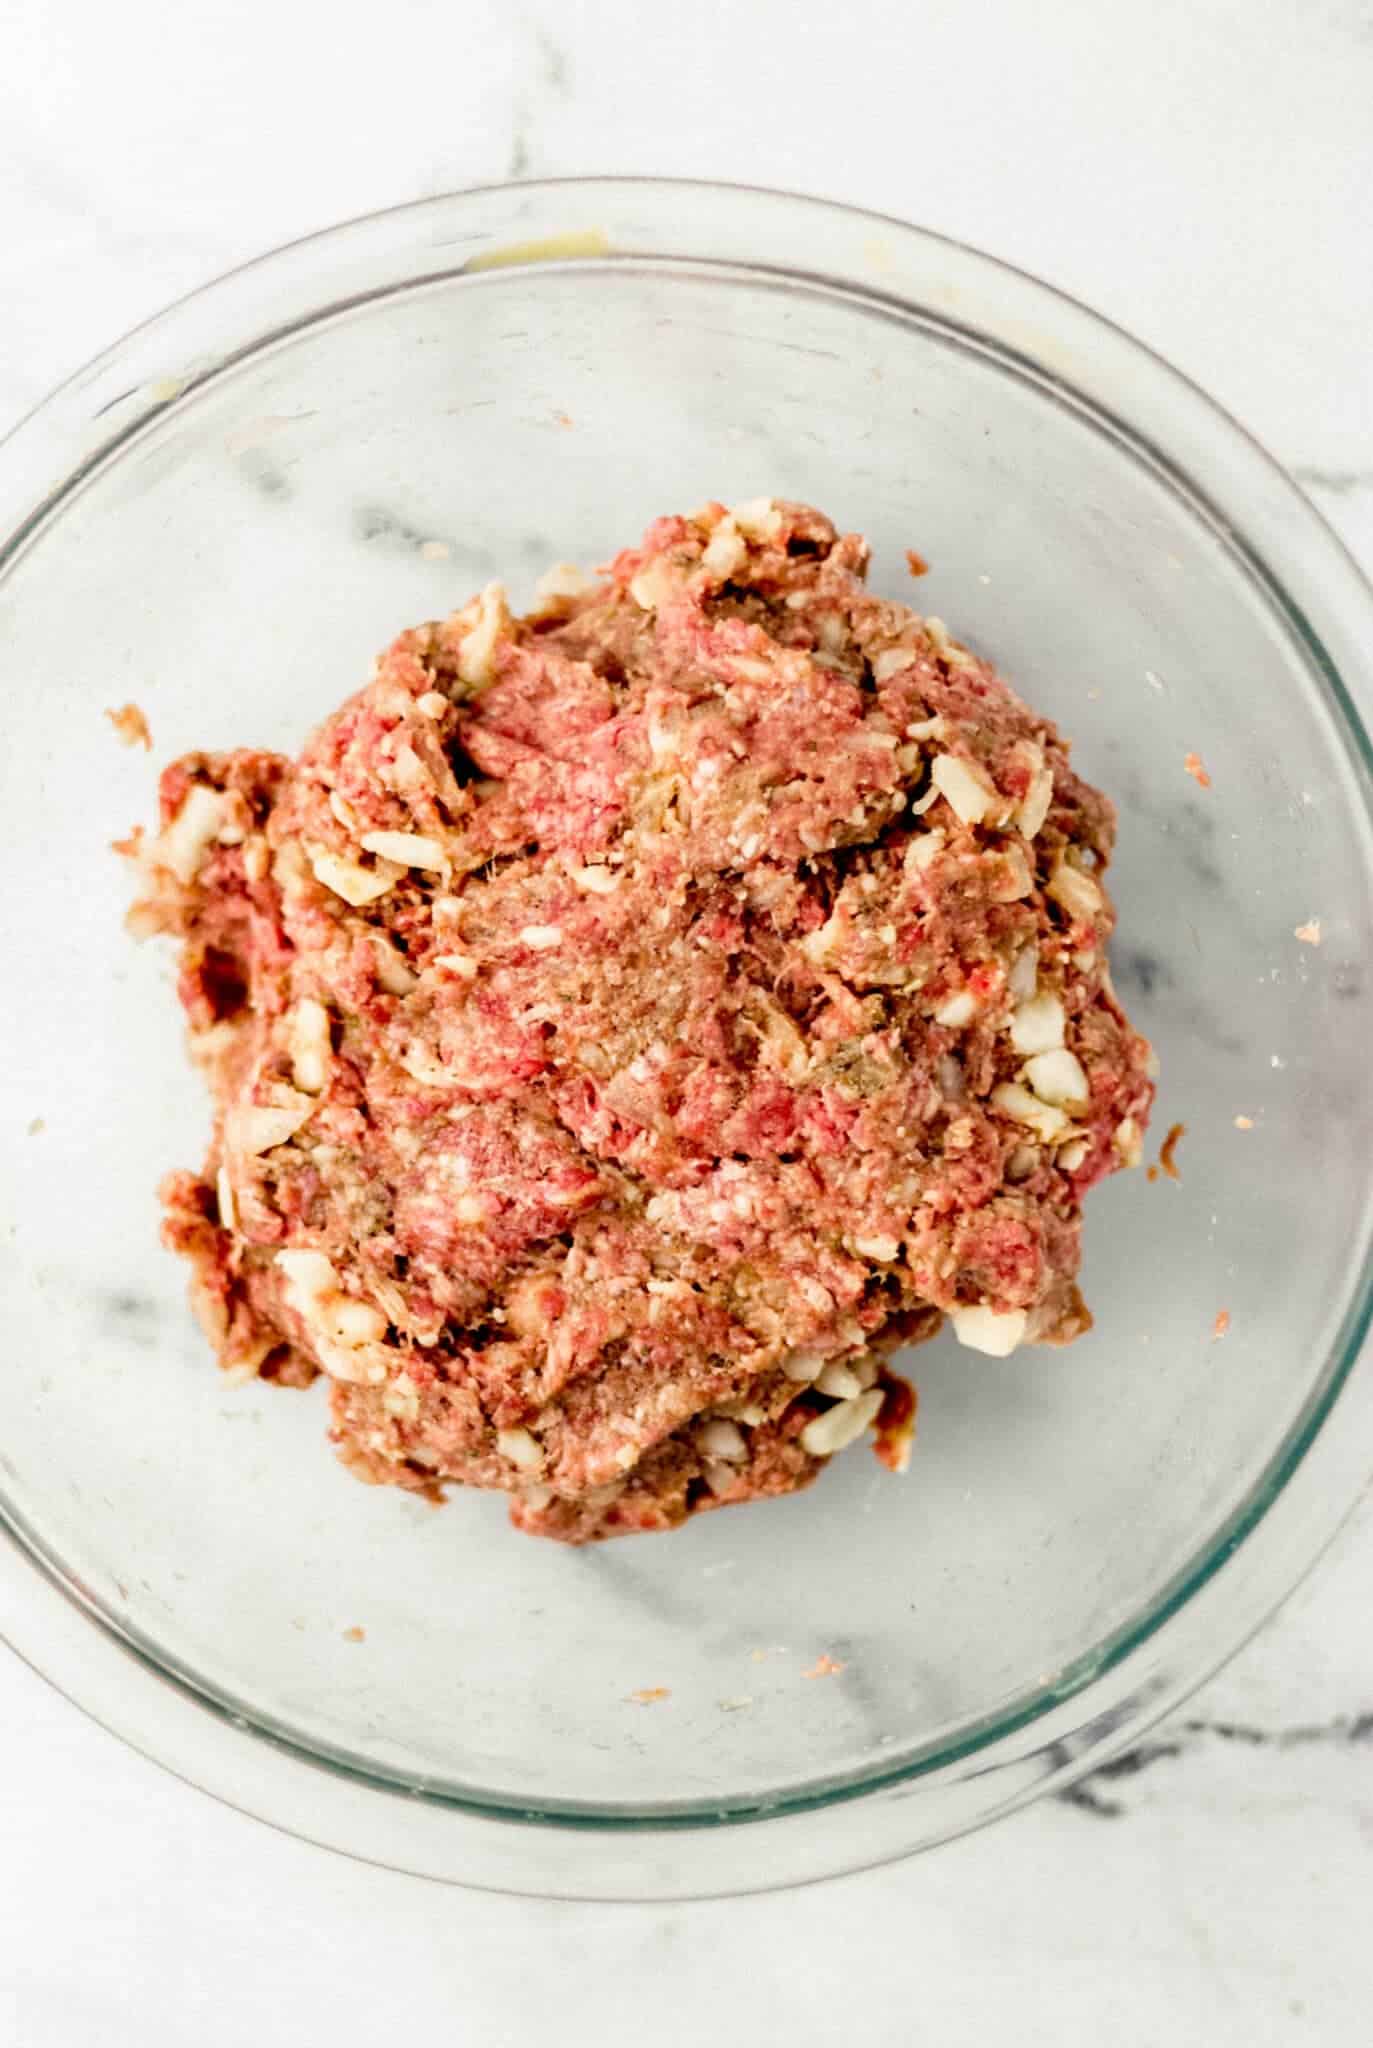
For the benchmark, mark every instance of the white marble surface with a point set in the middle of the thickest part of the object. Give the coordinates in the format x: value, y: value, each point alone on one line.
x: 1196, y: 169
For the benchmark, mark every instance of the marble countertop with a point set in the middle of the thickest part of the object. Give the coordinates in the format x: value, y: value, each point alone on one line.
x: 1199, y: 172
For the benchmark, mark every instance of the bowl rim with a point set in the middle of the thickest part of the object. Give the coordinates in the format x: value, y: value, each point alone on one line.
x: 96, y: 438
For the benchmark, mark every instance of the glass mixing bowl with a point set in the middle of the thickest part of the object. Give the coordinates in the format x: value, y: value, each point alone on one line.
x: 222, y: 520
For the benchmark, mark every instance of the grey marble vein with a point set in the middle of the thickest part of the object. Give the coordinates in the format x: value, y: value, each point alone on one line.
x: 547, y: 77
x: 1341, y: 481
x: 1088, y: 1796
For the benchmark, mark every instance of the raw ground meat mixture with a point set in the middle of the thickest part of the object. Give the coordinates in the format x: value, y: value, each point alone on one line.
x: 628, y: 1023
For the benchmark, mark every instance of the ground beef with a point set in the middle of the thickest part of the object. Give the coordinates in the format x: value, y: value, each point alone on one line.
x: 626, y: 1024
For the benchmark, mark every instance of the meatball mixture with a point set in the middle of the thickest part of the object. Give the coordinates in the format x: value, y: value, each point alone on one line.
x: 628, y: 1023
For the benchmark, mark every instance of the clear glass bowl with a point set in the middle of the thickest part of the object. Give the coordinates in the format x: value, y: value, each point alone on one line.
x: 222, y: 519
